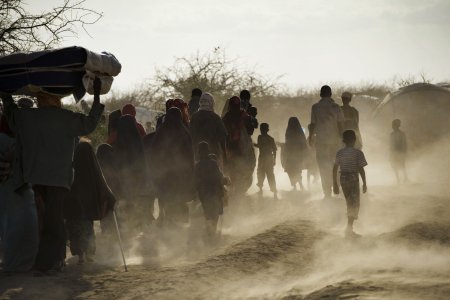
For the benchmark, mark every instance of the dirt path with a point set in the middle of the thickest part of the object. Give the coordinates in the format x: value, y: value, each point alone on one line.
x: 293, y: 249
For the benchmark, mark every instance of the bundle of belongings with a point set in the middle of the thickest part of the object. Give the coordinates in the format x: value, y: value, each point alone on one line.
x: 58, y: 72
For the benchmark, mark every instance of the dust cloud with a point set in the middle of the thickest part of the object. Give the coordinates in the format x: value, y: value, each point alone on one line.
x: 292, y: 248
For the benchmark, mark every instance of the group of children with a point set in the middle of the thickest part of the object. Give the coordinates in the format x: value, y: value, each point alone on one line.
x: 350, y: 162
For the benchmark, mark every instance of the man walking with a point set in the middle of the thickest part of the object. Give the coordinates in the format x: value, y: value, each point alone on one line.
x: 327, y: 126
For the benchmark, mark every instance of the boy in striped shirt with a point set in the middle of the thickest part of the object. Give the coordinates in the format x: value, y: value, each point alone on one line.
x: 351, y: 162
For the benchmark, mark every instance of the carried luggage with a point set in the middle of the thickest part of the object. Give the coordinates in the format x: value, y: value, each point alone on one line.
x: 60, y: 72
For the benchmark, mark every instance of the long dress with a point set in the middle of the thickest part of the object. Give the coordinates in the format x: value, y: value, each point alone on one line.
x: 172, y: 159
x: 295, y: 152
x: 89, y: 199
x: 241, y: 159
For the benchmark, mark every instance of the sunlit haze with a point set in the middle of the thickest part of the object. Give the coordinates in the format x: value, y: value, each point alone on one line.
x: 308, y: 42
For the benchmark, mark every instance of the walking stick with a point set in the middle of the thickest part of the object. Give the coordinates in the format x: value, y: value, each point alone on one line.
x: 120, y: 240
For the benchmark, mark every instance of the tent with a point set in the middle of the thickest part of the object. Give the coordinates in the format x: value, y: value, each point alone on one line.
x: 423, y: 109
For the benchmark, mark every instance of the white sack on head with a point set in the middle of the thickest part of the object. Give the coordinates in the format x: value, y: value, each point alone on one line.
x: 88, y: 82
x: 103, y: 63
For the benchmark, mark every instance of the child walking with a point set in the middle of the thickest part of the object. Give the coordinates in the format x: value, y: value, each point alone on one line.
x: 351, y: 162
x: 90, y: 199
x: 266, y: 159
x: 398, y: 150
x: 209, y: 184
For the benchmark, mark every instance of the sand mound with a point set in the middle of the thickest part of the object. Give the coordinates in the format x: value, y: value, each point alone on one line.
x: 422, y: 233
x: 258, y: 251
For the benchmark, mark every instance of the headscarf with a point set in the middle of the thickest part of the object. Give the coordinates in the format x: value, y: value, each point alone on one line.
x: 295, y: 134
x: 129, y: 109
x: 169, y: 104
x: 113, y: 121
x: 183, y: 107
x: 128, y: 145
x: 206, y: 102
x: 234, y: 104
x: 90, y: 197
x: 234, y: 121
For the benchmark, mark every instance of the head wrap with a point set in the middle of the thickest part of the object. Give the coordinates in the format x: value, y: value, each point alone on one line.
x: 234, y: 104
x: 129, y: 109
x: 206, y: 102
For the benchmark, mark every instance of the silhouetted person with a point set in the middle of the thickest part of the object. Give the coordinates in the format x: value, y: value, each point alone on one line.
x: 266, y: 160
x: 89, y: 199
x: 113, y: 121
x: 132, y: 170
x: 46, y: 140
x: 172, y: 160
x: 209, y: 184
x: 245, y: 97
x: 207, y: 126
x: 398, y: 151
x: 181, y: 105
x: 252, y: 111
x: 351, y: 117
x: 326, y: 124
x: 241, y: 160
x: 129, y: 109
x: 18, y: 216
x: 351, y: 162
x: 194, y: 103
x: 295, y: 152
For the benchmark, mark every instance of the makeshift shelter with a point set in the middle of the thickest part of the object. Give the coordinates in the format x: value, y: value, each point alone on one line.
x: 423, y: 109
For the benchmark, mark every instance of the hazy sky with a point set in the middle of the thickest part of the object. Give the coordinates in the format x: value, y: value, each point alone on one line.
x: 310, y: 42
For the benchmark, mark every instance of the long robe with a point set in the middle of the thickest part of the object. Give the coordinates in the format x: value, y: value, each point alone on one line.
x: 89, y: 199
x: 241, y: 159
x: 295, y: 151
x: 172, y: 159
x: 207, y: 126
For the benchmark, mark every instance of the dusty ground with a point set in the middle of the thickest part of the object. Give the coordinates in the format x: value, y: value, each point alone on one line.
x: 292, y: 248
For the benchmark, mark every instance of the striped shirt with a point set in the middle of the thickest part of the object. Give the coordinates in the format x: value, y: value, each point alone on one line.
x: 350, y: 160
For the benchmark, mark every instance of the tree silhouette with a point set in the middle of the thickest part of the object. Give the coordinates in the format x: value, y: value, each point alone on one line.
x: 21, y: 30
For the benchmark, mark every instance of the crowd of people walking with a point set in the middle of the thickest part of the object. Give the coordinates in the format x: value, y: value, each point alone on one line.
x: 54, y: 185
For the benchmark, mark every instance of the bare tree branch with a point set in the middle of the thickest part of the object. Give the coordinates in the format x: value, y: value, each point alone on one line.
x: 21, y: 30
x: 213, y: 72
